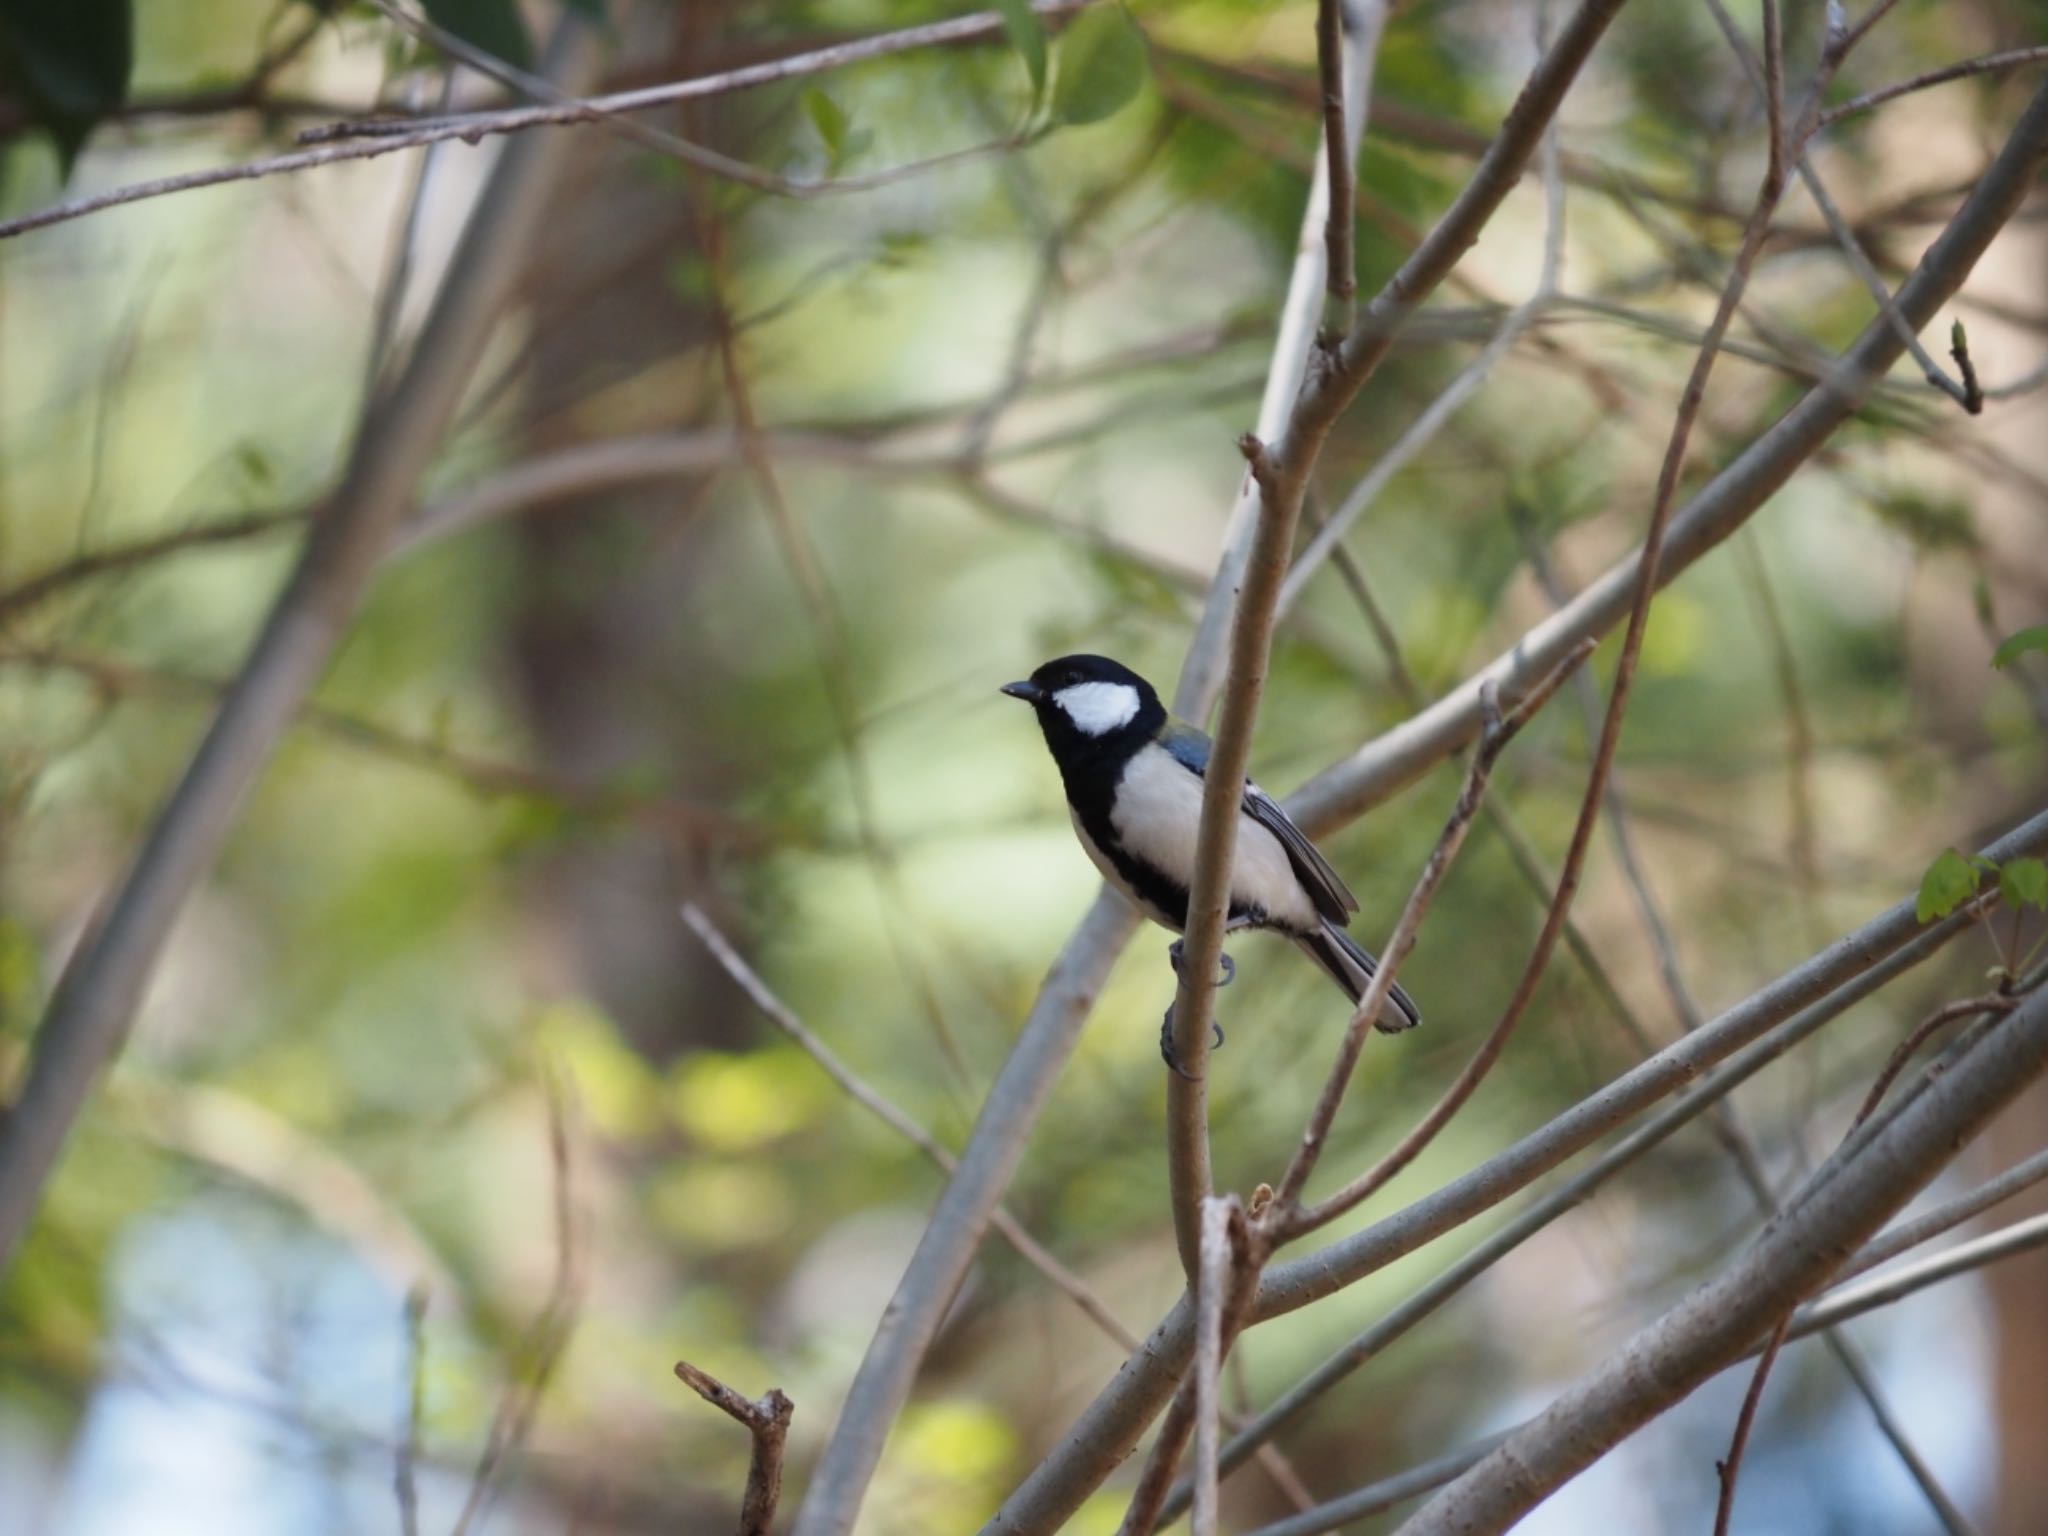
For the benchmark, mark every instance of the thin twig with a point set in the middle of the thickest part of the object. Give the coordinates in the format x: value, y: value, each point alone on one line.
x: 897, y: 1119
x: 1286, y: 1216
x: 1340, y: 156
x: 1892, y: 1242
x: 1729, y: 1468
x: 541, y: 1350
x: 404, y: 1479
x: 1990, y: 63
x: 768, y: 1422
x: 366, y: 140
x: 1906, y: 1049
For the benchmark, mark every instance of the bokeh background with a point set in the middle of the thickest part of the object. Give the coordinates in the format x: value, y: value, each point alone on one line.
x: 999, y: 398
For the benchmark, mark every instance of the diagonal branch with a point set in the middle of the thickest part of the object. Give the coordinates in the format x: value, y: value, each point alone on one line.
x: 103, y: 982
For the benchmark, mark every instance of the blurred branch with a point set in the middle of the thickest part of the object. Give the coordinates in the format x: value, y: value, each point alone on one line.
x: 405, y: 1482
x: 1889, y: 1244
x: 1723, y: 505
x: 541, y: 1350
x: 1990, y: 63
x: 102, y: 983
x: 779, y: 1014
x: 363, y: 140
x: 1838, y: 1306
x: 1847, y: 1199
x: 768, y: 1422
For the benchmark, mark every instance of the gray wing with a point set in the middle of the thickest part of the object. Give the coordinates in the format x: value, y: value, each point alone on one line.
x: 1332, y: 897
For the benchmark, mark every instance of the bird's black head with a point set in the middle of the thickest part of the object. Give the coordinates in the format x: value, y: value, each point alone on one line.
x: 1089, y: 706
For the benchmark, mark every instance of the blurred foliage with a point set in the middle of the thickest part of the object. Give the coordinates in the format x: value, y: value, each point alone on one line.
x: 1000, y: 396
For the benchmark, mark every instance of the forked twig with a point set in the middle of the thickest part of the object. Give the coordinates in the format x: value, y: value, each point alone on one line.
x: 768, y: 1422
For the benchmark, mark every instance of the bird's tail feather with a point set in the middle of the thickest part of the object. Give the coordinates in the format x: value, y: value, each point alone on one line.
x: 1351, y: 966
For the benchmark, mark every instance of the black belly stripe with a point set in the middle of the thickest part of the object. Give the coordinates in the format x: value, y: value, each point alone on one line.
x: 1091, y: 784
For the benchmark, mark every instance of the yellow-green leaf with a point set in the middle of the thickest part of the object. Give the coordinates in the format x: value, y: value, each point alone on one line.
x: 2016, y: 646
x: 1950, y: 881
x: 2024, y: 883
x: 1102, y: 64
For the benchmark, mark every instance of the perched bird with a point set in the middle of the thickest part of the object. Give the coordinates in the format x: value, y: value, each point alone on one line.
x: 1133, y: 776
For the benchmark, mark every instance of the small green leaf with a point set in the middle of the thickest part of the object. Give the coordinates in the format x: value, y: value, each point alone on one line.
x: 1949, y: 882
x: 69, y: 62
x: 1026, y: 31
x: 2024, y: 883
x: 1102, y: 65
x: 495, y: 26
x: 2016, y: 646
x: 830, y: 120
x: 1958, y: 338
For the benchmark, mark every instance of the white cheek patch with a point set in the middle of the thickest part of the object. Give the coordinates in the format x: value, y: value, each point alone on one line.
x: 1098, y: 708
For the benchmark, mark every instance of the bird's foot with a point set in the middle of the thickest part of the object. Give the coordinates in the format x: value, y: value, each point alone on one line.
x: 1174, y: 954
x: 1166, y: 1051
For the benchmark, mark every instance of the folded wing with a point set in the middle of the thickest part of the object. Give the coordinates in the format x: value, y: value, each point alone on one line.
x: 1332, y: 897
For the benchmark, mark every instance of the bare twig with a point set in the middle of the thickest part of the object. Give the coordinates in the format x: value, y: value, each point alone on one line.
x: 1729, y: 1468
x: 1906, y: 1049
x: 541, y: 1350
x: 1340, y: 155
x: 1990, y: 63
x: 1839, y: 1306
x: 1287, y: 1217
x: 1224, y: 1251
x: 1280, y: 472
x: 892, y: 1115
x: 768, y: 1422
x: 366, y: 140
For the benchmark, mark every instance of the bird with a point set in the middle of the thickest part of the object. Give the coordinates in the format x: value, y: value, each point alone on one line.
x: 1133, y: 776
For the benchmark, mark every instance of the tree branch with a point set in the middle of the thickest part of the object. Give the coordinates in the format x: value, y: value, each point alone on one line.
x: 1848, y: 1198
x: 1799, y: 1001
x: 768, y: 1422
x: 1733, y: 496
x: 103, y: 982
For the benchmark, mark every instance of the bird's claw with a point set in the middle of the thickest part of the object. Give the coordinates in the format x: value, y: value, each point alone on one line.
x: 1166, y: 1051
x: 1174, y: 953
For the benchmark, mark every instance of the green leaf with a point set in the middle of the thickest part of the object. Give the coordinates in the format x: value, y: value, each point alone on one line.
x: 1949, y: 882
x: 2024, y: 883
x: 2016, y: 646
x: 830, y: 120
x: 68, y: 61
x: 1102, y: 65
x: 593, y: 9
x: 1026, y: 31
x: 495, y: 26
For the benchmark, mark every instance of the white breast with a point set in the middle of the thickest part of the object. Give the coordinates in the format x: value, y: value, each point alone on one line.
x: 1158, y: 817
